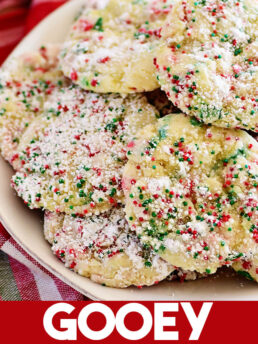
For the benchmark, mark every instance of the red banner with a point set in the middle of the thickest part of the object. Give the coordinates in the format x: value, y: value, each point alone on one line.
x: 126, y: 322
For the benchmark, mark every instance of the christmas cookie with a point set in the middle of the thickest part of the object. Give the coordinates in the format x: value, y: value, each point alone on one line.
x: 104, y: 249
x: 186, y: 188
x: 25, y: 82
x: 207, y: 63
x: 74, y: 163
x: 111, y: 49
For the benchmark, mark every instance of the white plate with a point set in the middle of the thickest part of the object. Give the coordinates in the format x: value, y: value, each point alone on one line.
x: 26, y: 225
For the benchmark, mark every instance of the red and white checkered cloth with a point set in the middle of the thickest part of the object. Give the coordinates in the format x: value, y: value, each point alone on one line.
x: 21, y: 277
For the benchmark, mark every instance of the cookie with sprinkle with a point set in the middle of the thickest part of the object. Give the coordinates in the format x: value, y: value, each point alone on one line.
x: 207, y: 61
x: 111, y: 49
x: 187, y: 188
x: 104, y: 249
x: 74, y: 161
x: 25, y: 82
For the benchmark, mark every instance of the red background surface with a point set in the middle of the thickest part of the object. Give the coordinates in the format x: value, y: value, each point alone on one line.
x: 24, y: 14
x: 228, y: 322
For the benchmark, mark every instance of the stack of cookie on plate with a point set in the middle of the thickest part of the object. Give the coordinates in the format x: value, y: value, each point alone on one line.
x: 137, y: 139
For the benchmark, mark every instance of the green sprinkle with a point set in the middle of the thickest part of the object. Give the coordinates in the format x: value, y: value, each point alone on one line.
x: 245, y: 274
x: 99, y: 25
x: 2, y: 111
x: 238, y: 51
x: 162, y: 248
x: 194, y: 121
x: 148, y: 264
x: 113, y: 192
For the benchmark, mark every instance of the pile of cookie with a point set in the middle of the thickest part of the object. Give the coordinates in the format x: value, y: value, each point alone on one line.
x: 137, y: 137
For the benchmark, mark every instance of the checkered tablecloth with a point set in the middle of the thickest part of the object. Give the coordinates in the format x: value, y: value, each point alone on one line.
x: 21, y: 277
